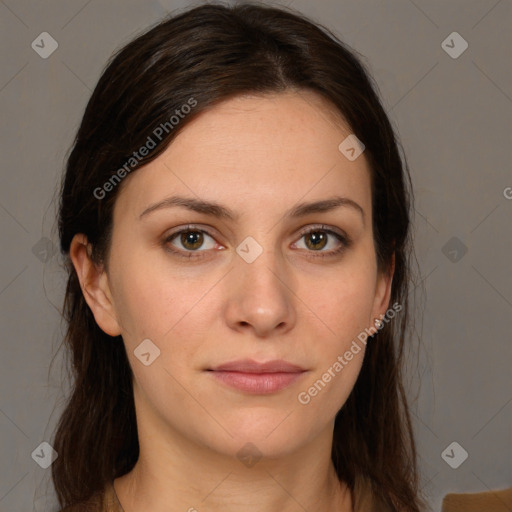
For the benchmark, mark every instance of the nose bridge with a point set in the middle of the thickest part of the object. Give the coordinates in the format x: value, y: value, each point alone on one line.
x: 259, y: 268
x: 260, y: 295
x: 261, y: 260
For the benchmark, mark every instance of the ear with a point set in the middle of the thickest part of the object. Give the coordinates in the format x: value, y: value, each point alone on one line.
x: 95, y: 286
x: 382, y: 293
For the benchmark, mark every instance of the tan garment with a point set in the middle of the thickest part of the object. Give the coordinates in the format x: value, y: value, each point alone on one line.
x: 490, y: 501
x: 107, y: 501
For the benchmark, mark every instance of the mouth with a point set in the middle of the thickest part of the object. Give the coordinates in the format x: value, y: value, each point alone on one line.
x: 257, y: 378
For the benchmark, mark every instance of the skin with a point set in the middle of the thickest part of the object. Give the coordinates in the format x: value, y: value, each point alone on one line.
x: 258, y: 156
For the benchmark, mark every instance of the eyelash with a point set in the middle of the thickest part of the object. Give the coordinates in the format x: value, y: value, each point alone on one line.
x: 345, y: 242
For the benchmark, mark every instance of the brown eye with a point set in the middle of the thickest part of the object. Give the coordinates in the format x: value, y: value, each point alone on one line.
x: 190, y: 242
x: 192, y: 239
x: 316, y: 240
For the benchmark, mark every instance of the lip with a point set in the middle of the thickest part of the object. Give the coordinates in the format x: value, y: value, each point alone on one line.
x: 251, y: 366
x: 257, y: 378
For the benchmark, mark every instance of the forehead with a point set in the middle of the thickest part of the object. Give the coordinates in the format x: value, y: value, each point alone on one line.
x: 252, y: 152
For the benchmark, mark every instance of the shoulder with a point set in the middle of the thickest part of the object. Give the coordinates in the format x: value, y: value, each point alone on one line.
x: 101, y: 501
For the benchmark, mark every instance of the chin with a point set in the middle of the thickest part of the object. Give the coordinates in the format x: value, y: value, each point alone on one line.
x: 263, y: 435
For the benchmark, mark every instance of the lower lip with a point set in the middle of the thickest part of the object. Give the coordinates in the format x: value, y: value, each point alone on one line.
x: 257, y: 383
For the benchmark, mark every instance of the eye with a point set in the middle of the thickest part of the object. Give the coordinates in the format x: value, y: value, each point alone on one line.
x: 318, y: 238
x: 189, y: 240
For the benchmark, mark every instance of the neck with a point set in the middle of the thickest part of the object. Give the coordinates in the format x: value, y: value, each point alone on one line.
x: 175, y: 473
x: 274, y: 487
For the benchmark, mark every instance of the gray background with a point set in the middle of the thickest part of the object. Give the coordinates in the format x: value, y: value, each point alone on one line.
x: 454, y: 120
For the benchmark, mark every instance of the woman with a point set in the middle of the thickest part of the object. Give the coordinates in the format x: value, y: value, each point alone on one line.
x: 235, y: 217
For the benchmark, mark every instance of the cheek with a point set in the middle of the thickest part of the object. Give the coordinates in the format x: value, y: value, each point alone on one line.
x: 343, y: 316
x: 342, y: 303
x: 169, y: 309
x: 342, y: 308
x: 145, y: 299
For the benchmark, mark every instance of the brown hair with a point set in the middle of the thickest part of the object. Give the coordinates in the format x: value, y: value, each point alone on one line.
x: 211, y: 53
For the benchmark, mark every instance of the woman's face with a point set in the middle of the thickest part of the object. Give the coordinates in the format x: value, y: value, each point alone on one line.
x: 245, y: 281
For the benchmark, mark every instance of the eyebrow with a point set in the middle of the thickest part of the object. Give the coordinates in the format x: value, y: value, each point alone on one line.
x: 217, y: 210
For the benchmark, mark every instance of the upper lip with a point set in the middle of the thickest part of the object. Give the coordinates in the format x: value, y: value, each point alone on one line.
x: 251, y: 366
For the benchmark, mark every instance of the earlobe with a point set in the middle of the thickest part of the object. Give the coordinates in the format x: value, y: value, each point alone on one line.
x: 95, y: 285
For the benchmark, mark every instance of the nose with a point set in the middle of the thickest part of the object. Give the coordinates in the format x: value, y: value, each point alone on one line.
x: 260, y: 298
